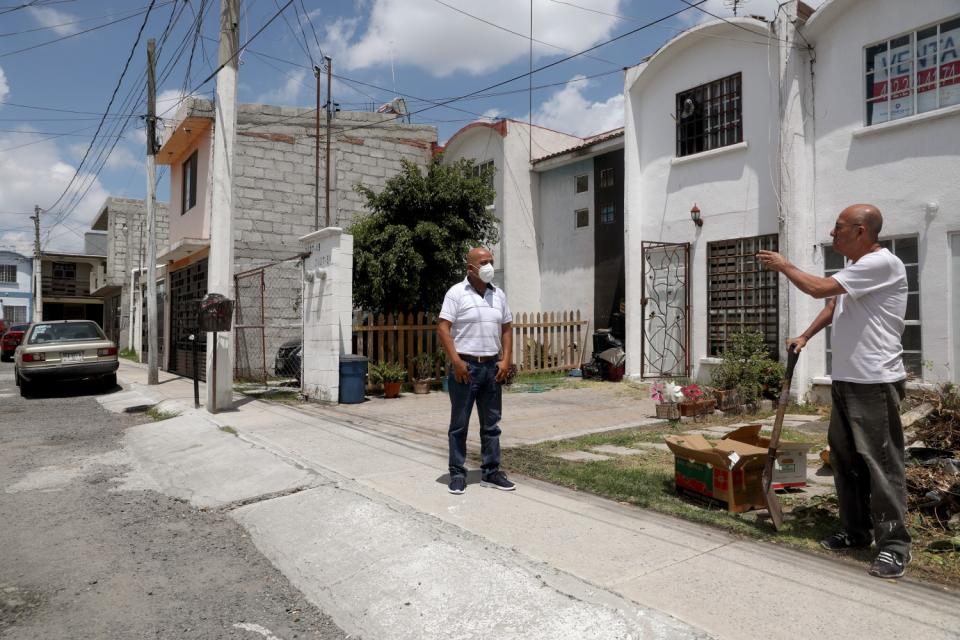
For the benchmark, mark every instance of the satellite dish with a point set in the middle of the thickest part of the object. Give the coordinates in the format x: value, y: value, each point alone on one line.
x: 689, y: 106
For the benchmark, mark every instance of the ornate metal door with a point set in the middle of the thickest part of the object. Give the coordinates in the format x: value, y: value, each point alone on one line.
x: 665, y: 299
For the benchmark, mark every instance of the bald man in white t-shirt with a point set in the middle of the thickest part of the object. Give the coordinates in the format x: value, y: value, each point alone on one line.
x: 867, y: 302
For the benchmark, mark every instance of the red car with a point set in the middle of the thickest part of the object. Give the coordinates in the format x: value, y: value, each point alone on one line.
x: 11, y: 340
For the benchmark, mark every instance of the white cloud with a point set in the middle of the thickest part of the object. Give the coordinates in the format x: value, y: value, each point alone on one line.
x: 124, y: 158
x: 569, y: 111
x: 168, y: 101
x: 36, y: 175
x: 442, y: 41
x: 288, y: 92
x: 4, y: 86
x: 56, y: 20
x: 19, y: 241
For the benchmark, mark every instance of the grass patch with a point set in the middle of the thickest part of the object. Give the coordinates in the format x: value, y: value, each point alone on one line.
x: 283, y: 395
x: 158, y: 414
x: 229, y: 429
x: 647, y: 481
x: 129, y: 354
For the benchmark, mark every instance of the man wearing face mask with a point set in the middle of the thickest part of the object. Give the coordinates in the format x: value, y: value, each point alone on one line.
x: 475, y: 331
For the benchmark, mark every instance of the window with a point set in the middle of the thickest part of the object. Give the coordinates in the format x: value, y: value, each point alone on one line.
x: 914, y: 72
x: 14, y: 315
x: 479, y: 169
x: 608, y: 214
x: 188, y: 197
x: 905, y: 249
x: 583, y: 217
x: 606, y: 178
x: 64, y: 271
x: 8, y: 273
x: 740, y: 295
x: 709, y: 116
x: 582, y: 182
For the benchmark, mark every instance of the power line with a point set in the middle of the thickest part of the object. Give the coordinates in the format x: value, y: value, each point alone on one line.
x: 113, y: 96
x: 80, y: 33
x: 65, y: 24
x: 314, y: 29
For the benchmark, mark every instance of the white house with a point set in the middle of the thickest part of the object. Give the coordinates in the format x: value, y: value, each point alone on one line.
x: 16, y: 290
x: 765, y: 132
x: 510, y: 146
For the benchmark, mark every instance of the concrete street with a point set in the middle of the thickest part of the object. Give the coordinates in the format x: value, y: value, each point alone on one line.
x: 350, y: 505
x: 86, y: 553
x: 376, y: 541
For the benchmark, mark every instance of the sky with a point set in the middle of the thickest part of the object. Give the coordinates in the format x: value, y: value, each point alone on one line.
x: 73, y: 77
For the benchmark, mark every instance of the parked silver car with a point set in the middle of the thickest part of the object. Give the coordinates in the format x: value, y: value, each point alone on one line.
x: 64, y: 350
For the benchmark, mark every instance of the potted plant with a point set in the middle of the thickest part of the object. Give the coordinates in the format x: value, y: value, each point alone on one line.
x: 423, y: 369
x: 747, y: 372
x: 666, y: 395
x: 390, y: 375
x: 695, y: 401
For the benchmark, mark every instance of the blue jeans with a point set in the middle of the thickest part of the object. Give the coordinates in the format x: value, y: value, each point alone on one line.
x: 483, y: 389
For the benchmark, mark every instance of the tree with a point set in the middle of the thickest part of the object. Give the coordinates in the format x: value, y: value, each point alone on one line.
x: 412, y: 246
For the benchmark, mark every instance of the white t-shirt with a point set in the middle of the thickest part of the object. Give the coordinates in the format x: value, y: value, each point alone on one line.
x: 868, y: 320
x: 476, y: 320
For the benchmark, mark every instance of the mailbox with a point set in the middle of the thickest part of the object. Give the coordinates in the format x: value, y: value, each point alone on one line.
x: 216, y: 313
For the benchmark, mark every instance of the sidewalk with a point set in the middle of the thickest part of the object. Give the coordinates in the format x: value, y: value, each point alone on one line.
x: 358, y: 517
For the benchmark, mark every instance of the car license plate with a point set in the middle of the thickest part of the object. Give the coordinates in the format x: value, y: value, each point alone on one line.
x: 72, y: 356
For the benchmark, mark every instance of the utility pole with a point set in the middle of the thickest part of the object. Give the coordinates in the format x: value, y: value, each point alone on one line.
x: 220, y: 262
x: 152, y: 375
x: 326, y: 184
x: 37, y: 270
x: 316, y: 159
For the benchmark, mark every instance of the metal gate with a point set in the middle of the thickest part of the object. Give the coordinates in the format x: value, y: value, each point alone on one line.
x: 188, y: 286
x: 268, y: 322
x: 665, y: 298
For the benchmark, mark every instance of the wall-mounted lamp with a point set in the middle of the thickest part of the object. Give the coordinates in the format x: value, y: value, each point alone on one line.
x: 931, y: 208
x: 695, y: 215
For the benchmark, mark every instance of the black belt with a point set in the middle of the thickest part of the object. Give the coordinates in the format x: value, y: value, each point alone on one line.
x: 469, y: 358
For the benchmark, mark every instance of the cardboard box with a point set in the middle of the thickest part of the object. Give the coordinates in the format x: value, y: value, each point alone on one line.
x: 727, y: 471
x: 791, y: 467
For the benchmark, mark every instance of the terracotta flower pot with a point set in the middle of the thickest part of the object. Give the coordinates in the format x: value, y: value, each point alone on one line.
x: 391, y: 389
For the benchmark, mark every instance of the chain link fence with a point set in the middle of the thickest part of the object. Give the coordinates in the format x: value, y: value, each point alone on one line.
x: 268, y: 322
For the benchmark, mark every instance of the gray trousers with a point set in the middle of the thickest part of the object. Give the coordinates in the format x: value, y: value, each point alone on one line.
x: 866, y: 453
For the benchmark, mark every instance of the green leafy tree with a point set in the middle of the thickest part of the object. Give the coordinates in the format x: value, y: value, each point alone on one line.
x: 411, y: 247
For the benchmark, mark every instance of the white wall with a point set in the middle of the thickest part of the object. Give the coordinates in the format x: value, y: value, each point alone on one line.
x: 734, y: 187
x: 19, y: 293
x: 566, y: 252
x: 899, y: 166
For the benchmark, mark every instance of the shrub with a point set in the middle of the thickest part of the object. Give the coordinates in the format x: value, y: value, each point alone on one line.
x: 381, y: 372
x: 424, y: 364
x: 748, y: 367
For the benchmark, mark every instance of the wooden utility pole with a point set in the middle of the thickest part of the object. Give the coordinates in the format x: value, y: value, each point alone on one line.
x: 326, y: 185
x: 220, y: 354
x: 37, y: 268
x: 152, y: 364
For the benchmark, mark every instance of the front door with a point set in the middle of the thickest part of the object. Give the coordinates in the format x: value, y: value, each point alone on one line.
x: 665, y: 299
x: 188, y: 286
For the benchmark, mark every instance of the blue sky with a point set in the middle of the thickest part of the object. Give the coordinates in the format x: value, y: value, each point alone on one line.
x: 52, y: 96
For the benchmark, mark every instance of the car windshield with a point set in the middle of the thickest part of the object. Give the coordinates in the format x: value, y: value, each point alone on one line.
x: 66, y: 332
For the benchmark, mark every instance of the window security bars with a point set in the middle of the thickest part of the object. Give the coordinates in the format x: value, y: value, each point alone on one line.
x: 710, y: 116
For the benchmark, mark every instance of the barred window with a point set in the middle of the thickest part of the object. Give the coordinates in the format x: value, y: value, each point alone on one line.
x: 913, y: 72
x: 15, y: 315
x: 8, y: 273
x: 709, y: 116
x: 606, y: 178
x: 907, y: 250
x: 608, y: 214
x: 740, y: 295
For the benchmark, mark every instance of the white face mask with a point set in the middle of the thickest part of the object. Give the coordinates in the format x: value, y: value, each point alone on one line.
x: 485, y: 273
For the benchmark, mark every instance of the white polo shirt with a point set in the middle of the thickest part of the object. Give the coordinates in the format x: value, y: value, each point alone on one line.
x: 476, y: 320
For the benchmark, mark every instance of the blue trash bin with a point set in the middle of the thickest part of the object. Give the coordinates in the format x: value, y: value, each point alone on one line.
x: 353, y: 378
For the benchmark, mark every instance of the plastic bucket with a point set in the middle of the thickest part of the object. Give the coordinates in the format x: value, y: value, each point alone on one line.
x: 353, y: 378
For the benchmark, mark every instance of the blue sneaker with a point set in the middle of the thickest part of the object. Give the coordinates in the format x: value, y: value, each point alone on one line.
x: 498, y: 480
x: 889, y: 564
x: 458, y: 484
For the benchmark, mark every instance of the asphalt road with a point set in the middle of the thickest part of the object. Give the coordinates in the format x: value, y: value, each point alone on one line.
x: 83, y: 557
